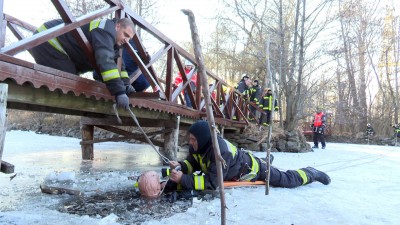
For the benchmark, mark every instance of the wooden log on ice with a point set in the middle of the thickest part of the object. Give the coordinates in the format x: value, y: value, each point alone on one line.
x: 58, y: 190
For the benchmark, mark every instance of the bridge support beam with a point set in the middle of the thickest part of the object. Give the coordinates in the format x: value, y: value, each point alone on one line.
x: 5, y: 166
x: 169, y: 149
x: 87, y: 135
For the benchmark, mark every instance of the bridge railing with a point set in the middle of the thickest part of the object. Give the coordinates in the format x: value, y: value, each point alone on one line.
x: 226, y: 102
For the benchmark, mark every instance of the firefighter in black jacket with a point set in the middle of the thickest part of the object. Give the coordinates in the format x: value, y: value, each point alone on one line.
x: 106, y: 37
x: 255, y: 94
x: 370, y: 131
x: 266, y: 105
x: 240, y: 166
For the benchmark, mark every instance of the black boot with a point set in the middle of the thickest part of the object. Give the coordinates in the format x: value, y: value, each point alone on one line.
x: 316, y: 175
x: 315, y: 146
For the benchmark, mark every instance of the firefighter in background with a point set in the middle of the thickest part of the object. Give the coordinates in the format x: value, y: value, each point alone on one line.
x: 318, y: 126
x: 255, y: 94
x: 266, y: 105
x: 396, y: 130
x: 242, y: 85
x: 370, y: 131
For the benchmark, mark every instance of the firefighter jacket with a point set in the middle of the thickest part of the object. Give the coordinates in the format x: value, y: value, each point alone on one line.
x: 238, y: 163
x: 255, y: 94
x: 266, y: 103
x: 102, y: 36
x: 370, y: 131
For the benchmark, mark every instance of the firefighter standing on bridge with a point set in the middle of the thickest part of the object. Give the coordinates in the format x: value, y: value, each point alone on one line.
x: 106, y: 38
x: 318, y: 125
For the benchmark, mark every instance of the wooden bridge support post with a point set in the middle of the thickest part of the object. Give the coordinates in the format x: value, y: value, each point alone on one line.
x: 169, y: 150
x: 87, y: 135
x: 5, y: 167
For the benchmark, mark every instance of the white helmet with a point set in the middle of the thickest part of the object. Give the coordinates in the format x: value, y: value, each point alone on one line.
x: 188, y: 63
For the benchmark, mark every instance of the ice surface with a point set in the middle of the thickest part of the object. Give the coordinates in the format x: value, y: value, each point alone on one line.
x: 364, y: 190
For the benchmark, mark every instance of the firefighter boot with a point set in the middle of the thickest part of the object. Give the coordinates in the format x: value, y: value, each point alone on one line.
x: 312, y: 175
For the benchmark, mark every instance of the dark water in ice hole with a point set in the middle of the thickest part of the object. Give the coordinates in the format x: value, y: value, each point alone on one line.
x: 130, y: 207
x: 126, y: 204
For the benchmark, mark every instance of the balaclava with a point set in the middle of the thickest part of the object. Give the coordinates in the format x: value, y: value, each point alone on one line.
x: 201, y: 132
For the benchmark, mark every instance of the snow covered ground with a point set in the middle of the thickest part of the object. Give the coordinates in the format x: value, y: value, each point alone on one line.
x: 365, y: 186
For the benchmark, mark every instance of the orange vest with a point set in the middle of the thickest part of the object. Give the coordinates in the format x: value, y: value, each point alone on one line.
x: 318, y: 119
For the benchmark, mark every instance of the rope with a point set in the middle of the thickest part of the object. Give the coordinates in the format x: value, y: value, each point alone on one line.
x: 165, y: 159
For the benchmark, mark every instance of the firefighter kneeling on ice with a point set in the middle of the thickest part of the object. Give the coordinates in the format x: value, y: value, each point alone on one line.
x: 240, y: 166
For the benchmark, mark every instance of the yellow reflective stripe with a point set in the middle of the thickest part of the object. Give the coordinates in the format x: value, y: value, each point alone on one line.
x: 110, y: 74
x: 94, y: 24
x: 53, y: 42
x: 199, y: 159
x: 168, y: 171
x: 189, y: 167
x: 303, y: 176
x: 254, y: 168
x: 97, y: 24
x: 198, y: 182
x: 124, y: 74
x: 232, y: 149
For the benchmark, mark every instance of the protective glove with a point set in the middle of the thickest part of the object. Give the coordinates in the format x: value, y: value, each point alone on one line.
x: 122, y: 101
x: 129, y: 89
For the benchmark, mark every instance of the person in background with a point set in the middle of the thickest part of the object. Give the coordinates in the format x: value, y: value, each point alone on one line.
x: 266, y: 105
x: 370, y: 131
x: 255, y: 94
x: 193, y: 82
x: 106, y: 38
x: 242, y: 86
x: 241, y: 165
x: 318, y: 126
x: 396, y: 127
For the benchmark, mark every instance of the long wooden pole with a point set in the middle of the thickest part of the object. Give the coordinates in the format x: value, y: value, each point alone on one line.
x: 210, y: 116
x: 269, y: 144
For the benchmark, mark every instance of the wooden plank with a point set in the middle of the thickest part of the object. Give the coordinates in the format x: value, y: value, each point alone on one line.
x: 231, y: 184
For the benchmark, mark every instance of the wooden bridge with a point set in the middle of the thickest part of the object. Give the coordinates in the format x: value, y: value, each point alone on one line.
x: 35, y: 87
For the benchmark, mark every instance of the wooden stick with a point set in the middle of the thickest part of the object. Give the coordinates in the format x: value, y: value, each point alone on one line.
x: 210, y: 116
x: 58, y: 190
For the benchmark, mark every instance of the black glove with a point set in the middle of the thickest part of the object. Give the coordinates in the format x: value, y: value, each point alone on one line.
x: 122, y: 101
x: 129, y: 89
